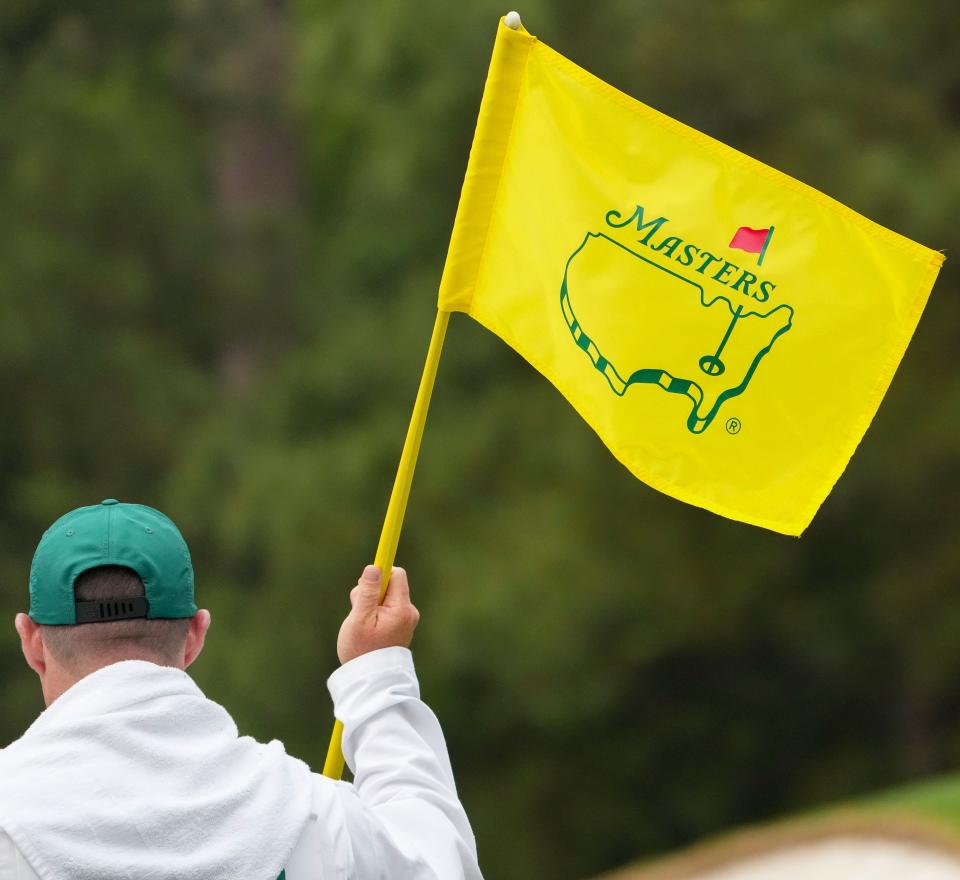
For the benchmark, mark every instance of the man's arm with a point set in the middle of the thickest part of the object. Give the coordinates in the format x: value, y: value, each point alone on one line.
x: 402, y: 814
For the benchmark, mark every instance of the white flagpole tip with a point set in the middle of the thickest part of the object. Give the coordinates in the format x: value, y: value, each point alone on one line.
x: 512, y: 20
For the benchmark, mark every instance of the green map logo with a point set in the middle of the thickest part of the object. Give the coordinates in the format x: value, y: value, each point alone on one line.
x: 684, y: 335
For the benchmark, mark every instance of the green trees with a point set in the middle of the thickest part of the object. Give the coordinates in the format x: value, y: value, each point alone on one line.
x: 223, y: 227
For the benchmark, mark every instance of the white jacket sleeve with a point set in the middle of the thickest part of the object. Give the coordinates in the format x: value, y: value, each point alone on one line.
x: 13, y: 866
x: 402, y: 814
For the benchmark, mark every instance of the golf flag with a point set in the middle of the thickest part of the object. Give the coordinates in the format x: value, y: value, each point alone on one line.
x: 753, y: 241
x: 614, y: 248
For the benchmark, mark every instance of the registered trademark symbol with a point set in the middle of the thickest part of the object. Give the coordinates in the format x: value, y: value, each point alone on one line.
x: 733, y: 426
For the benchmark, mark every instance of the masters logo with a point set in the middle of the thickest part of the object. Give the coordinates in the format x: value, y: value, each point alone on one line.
x: 728, y: 325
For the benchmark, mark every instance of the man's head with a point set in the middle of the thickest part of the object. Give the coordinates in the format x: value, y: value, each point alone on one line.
x: 109, y: 582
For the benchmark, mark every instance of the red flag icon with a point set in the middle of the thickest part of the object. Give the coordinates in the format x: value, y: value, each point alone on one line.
x: 754, y: 241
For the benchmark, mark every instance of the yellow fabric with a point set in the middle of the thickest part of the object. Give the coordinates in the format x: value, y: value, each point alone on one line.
x: 746, y: 397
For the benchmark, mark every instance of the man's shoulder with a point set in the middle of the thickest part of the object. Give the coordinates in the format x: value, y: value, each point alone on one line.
x: 323, y: 850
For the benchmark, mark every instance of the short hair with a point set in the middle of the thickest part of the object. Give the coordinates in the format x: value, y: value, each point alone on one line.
x: 83, y: 647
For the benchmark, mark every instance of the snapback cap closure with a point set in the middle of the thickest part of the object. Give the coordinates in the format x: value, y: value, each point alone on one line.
x: 111, y: 609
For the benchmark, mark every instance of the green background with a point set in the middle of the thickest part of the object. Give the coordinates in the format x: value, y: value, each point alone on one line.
x: 222, y: 229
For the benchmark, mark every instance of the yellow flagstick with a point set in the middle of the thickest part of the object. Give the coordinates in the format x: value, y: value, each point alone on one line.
x: 393, y: 521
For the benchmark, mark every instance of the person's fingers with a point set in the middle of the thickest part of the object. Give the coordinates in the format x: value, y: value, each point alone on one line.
x: 365, y: 596
x: 398, y: 590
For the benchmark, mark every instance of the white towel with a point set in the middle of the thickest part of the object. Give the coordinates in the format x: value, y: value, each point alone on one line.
x: 133, y: 774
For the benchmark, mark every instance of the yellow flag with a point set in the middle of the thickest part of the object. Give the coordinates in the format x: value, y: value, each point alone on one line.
x: 728, y: 331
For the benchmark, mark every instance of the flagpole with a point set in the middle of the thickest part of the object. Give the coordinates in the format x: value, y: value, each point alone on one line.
x: 393, y: 521
x: 763, y: 250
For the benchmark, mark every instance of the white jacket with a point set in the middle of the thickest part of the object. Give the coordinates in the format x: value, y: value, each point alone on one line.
x: 133, y: 774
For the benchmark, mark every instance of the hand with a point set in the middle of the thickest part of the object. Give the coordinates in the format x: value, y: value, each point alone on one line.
x: 370, y: 625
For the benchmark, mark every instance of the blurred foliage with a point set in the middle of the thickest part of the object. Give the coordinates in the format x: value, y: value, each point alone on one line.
x: 223, y: 227
x: 923, y: 817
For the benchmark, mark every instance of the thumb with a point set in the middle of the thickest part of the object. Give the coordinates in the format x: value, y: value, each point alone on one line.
x: 367, y: 593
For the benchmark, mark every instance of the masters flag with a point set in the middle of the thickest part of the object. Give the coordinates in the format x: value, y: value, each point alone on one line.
x: 728, y: 331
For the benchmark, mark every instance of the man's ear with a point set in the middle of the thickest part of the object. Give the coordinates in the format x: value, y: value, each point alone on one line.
x: 199, y: 624
x: 31, y: 643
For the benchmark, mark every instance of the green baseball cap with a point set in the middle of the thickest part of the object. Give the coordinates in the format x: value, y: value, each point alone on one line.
x: 111, y: 533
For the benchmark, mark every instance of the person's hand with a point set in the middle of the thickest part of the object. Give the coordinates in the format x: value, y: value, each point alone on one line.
x: 370, y: 625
